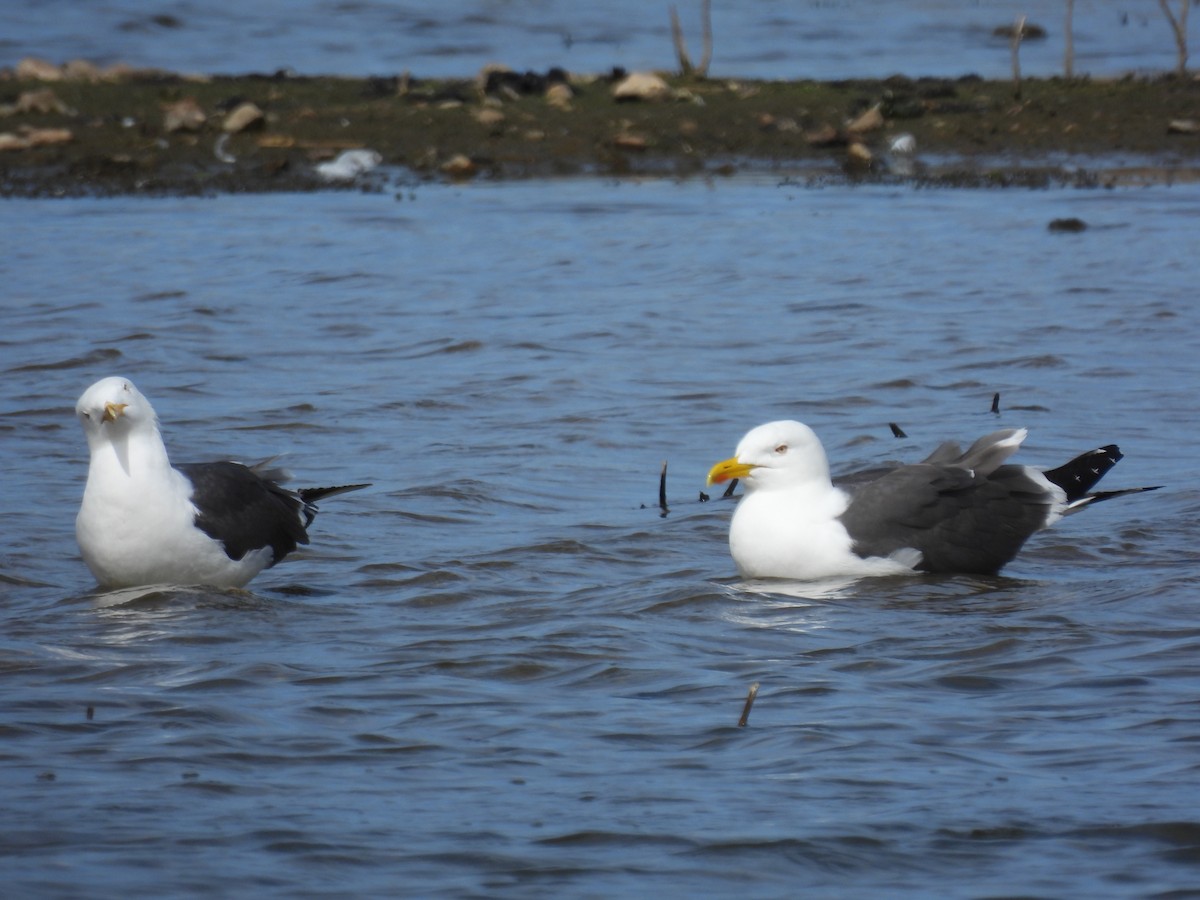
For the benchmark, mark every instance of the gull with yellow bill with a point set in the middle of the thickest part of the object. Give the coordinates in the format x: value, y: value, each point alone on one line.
x: 963, y: 512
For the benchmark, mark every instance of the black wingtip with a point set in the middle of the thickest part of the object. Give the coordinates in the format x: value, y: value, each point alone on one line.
x: 1081, y: 474
x: 1108, y: 495
x: 311, y: 495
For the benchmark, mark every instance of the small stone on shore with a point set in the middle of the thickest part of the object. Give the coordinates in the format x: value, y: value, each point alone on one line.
x: 183, y: 115
x: 641, y: 86
x: 459, y: 166
x: 244, y: 116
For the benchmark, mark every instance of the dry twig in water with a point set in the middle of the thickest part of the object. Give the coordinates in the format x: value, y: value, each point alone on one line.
x: 1069, y: 42
x: 1179, y: 27
x: 662, y: 490
x: 749, y: 703
x: 685, y: 61
x: 1018, y: 32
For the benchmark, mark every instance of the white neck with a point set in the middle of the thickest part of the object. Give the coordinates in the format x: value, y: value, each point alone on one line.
x: 136, y: 455
x: 789, y: 532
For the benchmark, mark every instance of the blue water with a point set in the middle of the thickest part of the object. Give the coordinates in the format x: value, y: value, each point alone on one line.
x: 768, y: 39
x: 501, y: 672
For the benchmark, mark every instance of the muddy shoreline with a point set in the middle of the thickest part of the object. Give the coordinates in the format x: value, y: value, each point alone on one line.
x: 160, y: 134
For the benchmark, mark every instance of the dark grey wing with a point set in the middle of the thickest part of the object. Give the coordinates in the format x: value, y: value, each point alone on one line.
x: 850, y: 482
x: 245, y: 511
x: 959, y: 521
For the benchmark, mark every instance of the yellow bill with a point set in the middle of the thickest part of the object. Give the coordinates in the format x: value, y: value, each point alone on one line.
x: 728, y: 469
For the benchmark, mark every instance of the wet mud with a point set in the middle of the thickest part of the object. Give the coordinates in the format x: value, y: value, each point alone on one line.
x: 156, y: 133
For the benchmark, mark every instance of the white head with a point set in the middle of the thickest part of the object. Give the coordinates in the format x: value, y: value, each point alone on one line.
x: 112, y: 409
x: 777, y: 454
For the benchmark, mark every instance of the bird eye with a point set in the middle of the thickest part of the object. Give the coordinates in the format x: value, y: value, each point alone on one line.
x: 781, y: 449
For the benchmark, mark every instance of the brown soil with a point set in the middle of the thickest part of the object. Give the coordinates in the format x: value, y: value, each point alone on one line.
x: 968, y: 132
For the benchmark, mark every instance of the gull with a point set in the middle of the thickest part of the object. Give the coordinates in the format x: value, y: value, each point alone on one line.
x: 963, y: 512
x: 143, y: 521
